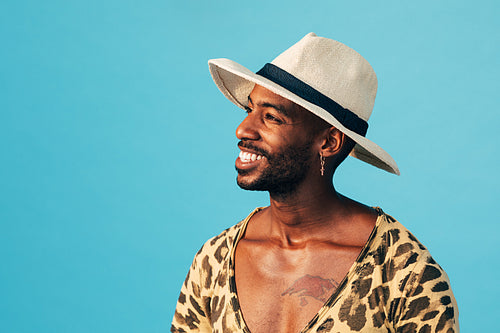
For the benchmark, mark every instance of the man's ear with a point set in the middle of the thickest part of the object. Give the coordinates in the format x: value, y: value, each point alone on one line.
x: 333, y: 141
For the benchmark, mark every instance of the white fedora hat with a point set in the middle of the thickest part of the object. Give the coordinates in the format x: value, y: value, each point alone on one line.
x: 322, y: 75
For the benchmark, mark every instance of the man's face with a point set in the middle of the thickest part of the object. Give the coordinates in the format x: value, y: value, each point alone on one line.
x: 276, y: 144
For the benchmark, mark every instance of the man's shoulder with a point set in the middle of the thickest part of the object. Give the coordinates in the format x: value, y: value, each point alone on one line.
x: 226, y: 236
x: 392, y: 232
x: 400, y: 258
x: 392, y: 244
x: 220, y: 246
x: 404, y: 279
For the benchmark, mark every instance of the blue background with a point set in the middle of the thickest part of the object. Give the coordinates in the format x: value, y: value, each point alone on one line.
x: 117, y: 150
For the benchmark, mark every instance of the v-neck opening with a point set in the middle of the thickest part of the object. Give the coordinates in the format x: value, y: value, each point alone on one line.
x: 330, y: 301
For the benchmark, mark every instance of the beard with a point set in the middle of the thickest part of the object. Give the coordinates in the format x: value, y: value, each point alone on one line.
x: 284, y: 171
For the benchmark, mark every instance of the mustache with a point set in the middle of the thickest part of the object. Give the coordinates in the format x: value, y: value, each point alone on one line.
x: 245, y: 144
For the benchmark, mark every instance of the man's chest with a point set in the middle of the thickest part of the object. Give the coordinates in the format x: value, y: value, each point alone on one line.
x: 282, y: 290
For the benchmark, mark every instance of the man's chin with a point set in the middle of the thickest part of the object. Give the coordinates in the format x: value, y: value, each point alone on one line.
x: 247, y: 184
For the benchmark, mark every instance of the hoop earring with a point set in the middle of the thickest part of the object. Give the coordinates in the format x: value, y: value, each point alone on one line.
x: 322, y: 161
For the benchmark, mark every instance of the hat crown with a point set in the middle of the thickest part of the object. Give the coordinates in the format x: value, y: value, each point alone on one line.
x: 335, y: 70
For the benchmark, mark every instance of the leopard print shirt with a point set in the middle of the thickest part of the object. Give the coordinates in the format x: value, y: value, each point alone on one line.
x: 393, y: 286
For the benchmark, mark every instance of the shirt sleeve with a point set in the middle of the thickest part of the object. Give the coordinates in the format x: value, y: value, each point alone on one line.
x: 192, y: 313
x: 428, y: 304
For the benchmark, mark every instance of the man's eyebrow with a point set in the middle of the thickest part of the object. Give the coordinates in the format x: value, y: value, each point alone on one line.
x: 277, y: 107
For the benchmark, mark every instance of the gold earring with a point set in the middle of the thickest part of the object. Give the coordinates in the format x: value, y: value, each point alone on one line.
x: 322, y: 161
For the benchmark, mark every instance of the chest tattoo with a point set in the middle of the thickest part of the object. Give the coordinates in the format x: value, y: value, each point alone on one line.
x: 311, y: 286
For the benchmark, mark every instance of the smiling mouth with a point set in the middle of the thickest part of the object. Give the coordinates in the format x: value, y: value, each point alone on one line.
x: 246, y: 157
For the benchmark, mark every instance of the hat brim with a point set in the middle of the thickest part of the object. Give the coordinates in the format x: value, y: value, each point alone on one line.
x: 236, y: 82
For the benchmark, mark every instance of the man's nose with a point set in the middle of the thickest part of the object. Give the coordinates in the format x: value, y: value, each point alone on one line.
x: 248, y: 129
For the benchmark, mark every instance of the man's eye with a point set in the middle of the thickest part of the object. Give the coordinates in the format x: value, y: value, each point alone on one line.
x: 272, y: 118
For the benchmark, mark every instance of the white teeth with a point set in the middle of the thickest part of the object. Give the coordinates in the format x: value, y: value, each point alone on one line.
x: 248, y: 157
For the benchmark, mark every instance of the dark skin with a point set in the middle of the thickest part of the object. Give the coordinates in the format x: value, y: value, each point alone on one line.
x: 294, y: 253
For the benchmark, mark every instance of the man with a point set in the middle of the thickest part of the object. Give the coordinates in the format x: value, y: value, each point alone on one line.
x: 314, y: 260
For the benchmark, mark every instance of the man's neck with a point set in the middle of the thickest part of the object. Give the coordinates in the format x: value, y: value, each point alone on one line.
x: 304, y: 204
x: 308, y: 213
